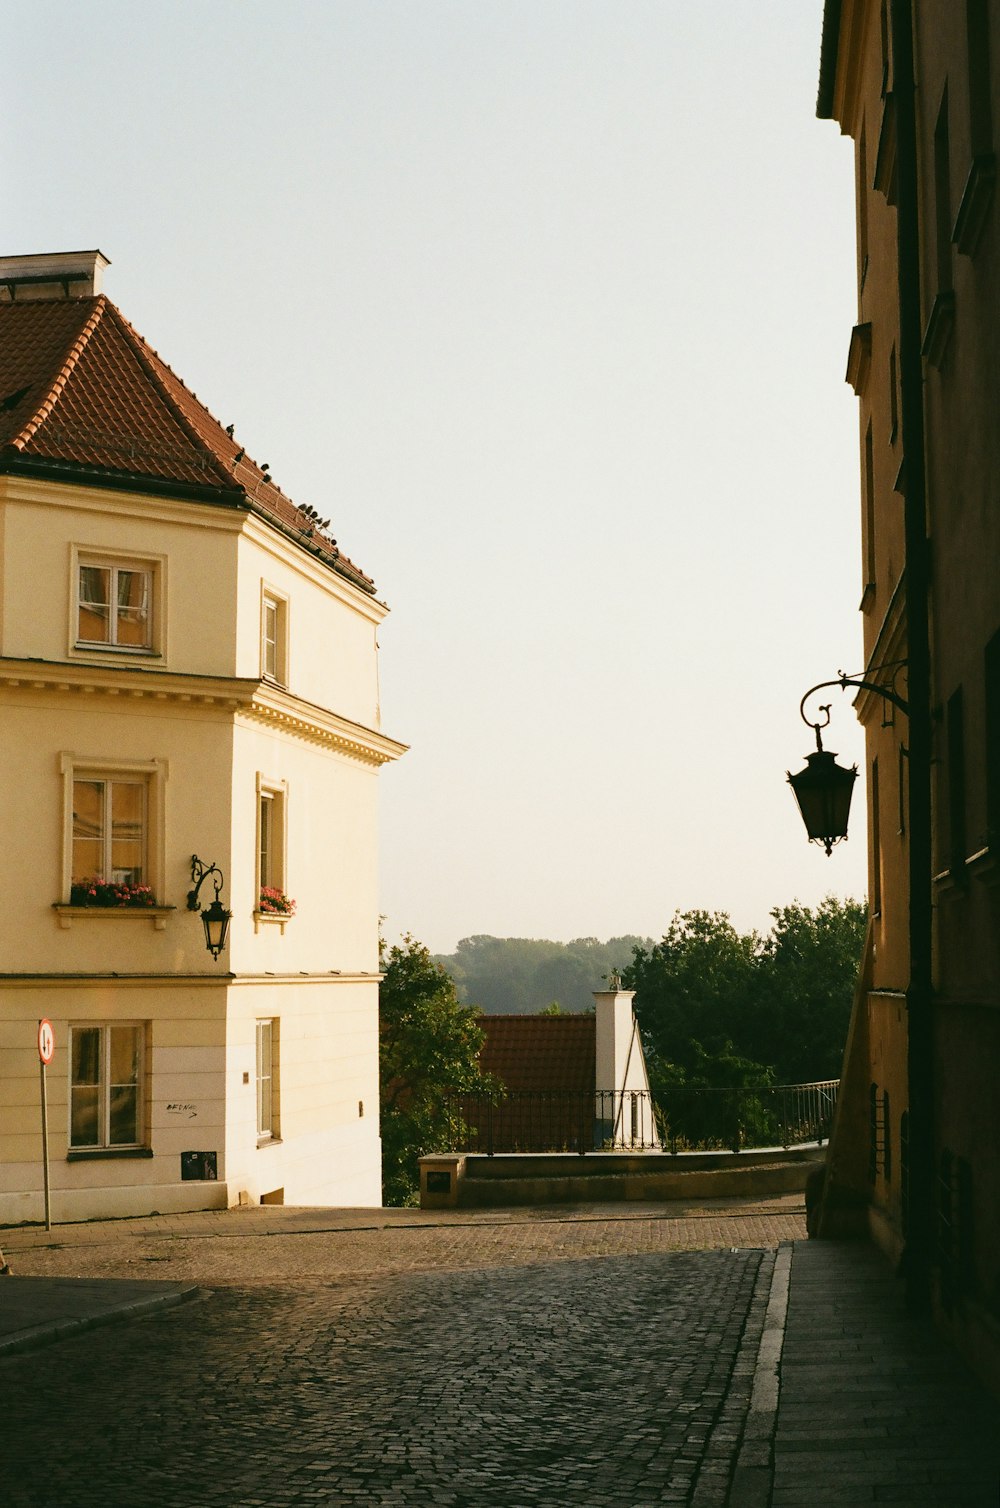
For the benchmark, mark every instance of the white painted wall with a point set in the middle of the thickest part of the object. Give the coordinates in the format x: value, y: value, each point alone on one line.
x: 185, y: 1064
x: 621, y: 1069
x: 317, y: 976
x: 328, y: 1149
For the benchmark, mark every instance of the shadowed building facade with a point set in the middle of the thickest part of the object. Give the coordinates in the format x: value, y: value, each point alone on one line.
x: 915, y: 1158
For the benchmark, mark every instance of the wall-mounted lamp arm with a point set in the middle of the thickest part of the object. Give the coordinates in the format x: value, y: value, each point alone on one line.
x: 200, y: 873
x: 887, y: 693
x: 216, y: 919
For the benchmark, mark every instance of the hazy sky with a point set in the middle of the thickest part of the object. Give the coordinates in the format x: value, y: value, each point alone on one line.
x: 546, y: 304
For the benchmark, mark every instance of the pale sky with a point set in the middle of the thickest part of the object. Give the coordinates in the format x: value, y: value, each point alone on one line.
x: 546, y: 305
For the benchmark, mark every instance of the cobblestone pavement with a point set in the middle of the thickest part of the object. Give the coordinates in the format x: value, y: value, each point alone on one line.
x: 260, y: 1245
x: 483, y: 1364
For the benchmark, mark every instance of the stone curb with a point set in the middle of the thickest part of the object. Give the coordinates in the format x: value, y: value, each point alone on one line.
x: 753, y: 1475
x: 33, y: 1336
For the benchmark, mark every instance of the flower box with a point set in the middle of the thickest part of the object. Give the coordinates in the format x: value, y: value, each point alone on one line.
x: 96, y: 892
x: 275, y: 902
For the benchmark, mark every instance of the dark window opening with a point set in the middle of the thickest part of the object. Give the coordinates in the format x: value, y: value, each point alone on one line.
x: 955, y: 729
x: 980, y: 98
x: 942, y: 196
x: 992, y: 669
x: 876, y: 830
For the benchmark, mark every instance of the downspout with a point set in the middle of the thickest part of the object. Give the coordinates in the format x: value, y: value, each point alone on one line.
x: 919, y: 1237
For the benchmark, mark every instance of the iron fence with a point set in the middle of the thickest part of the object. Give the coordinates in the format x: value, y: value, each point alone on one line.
x: 682, y: 1120
x: 764, y: 1115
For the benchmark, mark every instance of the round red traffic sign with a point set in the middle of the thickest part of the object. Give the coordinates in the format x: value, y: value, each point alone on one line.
x: 46, y: 1040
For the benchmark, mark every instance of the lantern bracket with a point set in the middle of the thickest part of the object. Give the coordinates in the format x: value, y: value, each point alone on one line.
x: 859, y: 683
x: 200, y: 873
x: 216, y: 919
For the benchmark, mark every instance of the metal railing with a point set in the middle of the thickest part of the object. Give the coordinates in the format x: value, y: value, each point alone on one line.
x: 683, y: 1120
x: 763, y: 1115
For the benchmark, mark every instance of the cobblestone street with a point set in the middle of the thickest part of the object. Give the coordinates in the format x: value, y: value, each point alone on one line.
x: 572, y: 1357
x: 560, y: 1361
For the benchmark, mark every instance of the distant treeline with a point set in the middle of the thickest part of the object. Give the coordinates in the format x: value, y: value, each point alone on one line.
x: 520, y: 975
x: 716, y: 1007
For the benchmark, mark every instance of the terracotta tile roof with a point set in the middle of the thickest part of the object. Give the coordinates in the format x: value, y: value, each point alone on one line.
x: 83, y: 395
x: 541, y: 1053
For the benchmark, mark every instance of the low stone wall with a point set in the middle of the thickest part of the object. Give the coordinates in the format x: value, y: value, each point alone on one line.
x: 468, y: 1181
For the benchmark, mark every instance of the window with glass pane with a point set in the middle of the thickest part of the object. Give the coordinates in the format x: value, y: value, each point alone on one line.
x: 270, y: 637
x: 109, y: 830
x: 85, y: 1120
x: 273, y: 638
x: 265, y: 855
x: 95, y: 605
x: 265, y: 1079
x: 123, y: 1085
x: 106, y: 1087
x: 114, y: 606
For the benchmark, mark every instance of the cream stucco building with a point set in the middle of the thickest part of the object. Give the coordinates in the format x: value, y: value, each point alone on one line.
x: 187, y: 667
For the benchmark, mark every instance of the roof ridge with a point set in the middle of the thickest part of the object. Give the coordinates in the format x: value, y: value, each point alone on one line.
x: 140, y: 347
x: 76, y: 350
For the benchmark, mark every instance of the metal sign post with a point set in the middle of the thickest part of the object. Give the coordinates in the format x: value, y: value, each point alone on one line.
x: 46, y: 1047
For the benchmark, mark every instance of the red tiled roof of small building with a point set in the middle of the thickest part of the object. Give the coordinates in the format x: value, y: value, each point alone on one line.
x: 83, y: 396
x: 554, y: 1054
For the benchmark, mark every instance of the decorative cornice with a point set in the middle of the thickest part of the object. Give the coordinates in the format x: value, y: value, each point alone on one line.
x: 254, y: 700
x: 302, y: 719
x: 206, y: 981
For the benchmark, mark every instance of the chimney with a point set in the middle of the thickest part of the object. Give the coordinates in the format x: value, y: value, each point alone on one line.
x: 614, y: 1030
x: 52, y: 275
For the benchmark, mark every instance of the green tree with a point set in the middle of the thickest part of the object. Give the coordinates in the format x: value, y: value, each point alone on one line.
x: 694, y: 991
x: 720, y: 1009
x: 429, y: 1049
x: 809, y: 968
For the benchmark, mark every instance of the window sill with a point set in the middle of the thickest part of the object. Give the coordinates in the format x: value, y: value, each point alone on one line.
x: 859, y: 358
x: 99, y: 1154
x: 973, y: 212
x: 156, y: 914
x: 950, y: 882
x: 135, y: 651
x: 268, y: 1141
x: 884, y: 180
x: 939, y: 328
x: 270, y: 919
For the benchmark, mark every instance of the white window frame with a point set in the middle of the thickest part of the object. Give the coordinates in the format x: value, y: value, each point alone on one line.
x: 104, y: 868
x: 271, y: 812
x: 267, y: 1073
x: 103, y: 1144
x: 152, y: 774
x: 153, y: 566
x: 273, y: 602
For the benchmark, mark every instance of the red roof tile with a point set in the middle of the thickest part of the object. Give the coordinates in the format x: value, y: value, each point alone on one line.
x: 82, y: 393
x: 556, y: 1054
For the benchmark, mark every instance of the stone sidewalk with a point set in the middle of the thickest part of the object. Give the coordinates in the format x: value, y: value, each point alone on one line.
x: 873, y: 1406
x: 836, y: 1396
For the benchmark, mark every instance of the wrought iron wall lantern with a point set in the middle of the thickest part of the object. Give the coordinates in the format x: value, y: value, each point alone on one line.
x: 824, y: 788
x: 216, y: 919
